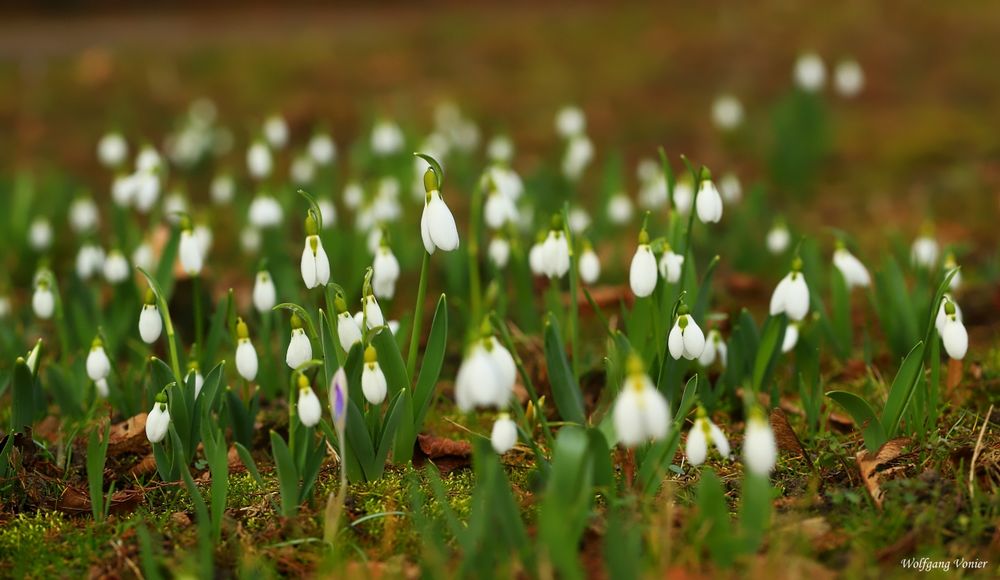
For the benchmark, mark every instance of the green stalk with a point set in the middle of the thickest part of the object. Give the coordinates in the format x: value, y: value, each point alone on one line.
x: 475, y: 228
x: 198, y: 325
x: 418, y: 317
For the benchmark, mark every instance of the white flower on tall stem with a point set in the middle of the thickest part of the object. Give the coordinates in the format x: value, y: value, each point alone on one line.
x: 265, y: 212
x: 116, y: 268
x: 308, y: 406
x: 299, y: 348
x: 642, y: 272
x: 730, y: 187
x: 579, y: 154
x: 791, y: 295
x: 500, y: 149
x: 848, y: 78
x: 264, y: 292
x: 536, y: 258
x: 158, y: 419
x: 89, y: 261
x: 276, y: 131
x: 686, y: 338
x: 924, y: 252
x: 641, y: 412
x: 223, y: 189
x: 778, y: 238
x: 373, y: 381
x: 715, y: 348
x: 328, y: 212
x: 174, y: 205
x: 99, y: 366
x: 671, y: 265
x: 150, y: 322
x: 322, y: 149
x: 851, y: 268
x: 386, y: 138
x: 708, y: 202
x: 302, y: 170
x: 385, y: 271
x: 954, y: 337
x: 579, y: 220
x: 142, y: 256
x: 43, y: 301
x: 499, y: 251
x: 486, y: 376
x: 570, y: 122
x: 810, y: 72
x: 504, y: 434
x: 315, y: 264
x: 590, y: 264
x: 348, y: 329
x: 354, y: 195
x: 40, y: 234
x: 620, y: 209
x: 372, y: 312
x: 942, y: 316
x: 123, y: 189
x: 437, y: 224
x: 246, y: 356
x: 727, y: 112
x: 791, y: 337
x: 190, y: 252
x: 683, y: 195
x: 499, y: 210
x: 259, y: 160
x: 507, y: 181
x: 760, y: 450
x: 83, y: 215
x: 703, y: 432
x: 112, y: 149
x: 555, y: 257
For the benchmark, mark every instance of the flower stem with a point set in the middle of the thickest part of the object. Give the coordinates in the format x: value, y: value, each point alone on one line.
x: 418, y: 317
x: 198, y: 325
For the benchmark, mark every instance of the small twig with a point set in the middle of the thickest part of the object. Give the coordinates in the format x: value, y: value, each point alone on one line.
x: 975, y: 452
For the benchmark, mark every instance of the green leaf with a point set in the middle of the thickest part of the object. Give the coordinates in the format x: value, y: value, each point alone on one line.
x: 704, y: 291
x: 390, y: 360
x: 430, y: 365
x: 769, y: 350
x: 864, y: 417
x: 249, y: 463
x: 165, y: 267
x: 23, y: 411
x: 359, y: 442
x: 565, y: 390
x: 755, y: 512
x: 219, y: 328
x: 435, y: 166
x: 301, y: 312
x: 395, y: 415
x: 288, y: 477
x: 406, y: 431
x: 902, y: 389
x: 712, y: 520
x: 97, y: 452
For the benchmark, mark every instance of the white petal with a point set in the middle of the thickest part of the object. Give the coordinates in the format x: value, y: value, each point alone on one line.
x: 655, y: 411
x: 246, y: 360
x: 694, y: 340
x: 797, y: 298
x: 696, y: 446
x: 322, y: 265
x: 590, y: 267
x: 309, y: 407
x: 760, y: 452
x: 308, y: 266
x: 627, y: 418
x: 504, y: 435
x: 373, y: 384
x: 150, y: 324
x: 778, y: 298
x: 425, y: 233
x: 642, y: 273
x: 348, y: 331
x: 675, y: 342
x: 441, y: 225
x: 791, y: 338
x: 719, y: 440
x: 955, y: 339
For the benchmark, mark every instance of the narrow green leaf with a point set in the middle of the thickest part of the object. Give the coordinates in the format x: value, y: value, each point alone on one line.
x: 769, y: 350
x: 390, y: 360
x: 864, y: 417
x: 288, y: 477
x: 430, y: 365
x: 565, y: 390
x: 901, y: 390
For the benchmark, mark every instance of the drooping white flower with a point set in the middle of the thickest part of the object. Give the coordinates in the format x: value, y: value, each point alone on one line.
x: 83, y: 215
x: 499, y: 210
x: 112, y: 149
x: 385, y: 272
x: 848, y: 78
x: 642, y: 272
x: 354, y: 194
x: 116, y: 268
x: 504, y: 434
x: 683, y: 196
x: 203, y: 234
x: 309, y: 408
x: 348, y: 330
x: 387, y: 138
x: 731, y: 188
x: 579, y: 154
x: 500, y: 149
x: 671, y: 265
x: 246, y: 356
x: 259, y: 160
x: 40, y: 234
x: 89, y: 261
x: 437, y: 224
x: 715, y: 348
x: 942, y: 315
x: 98, y: 363
x: 590, y: 265
x: 954, y: 337
x: 620, y: 209
x: 851, y: 268
x: 43, y: 302
x: 760, y: 450
x: 373, y: 381
x: 189, y: 253
x: 579, y: 220
x: 315, y: 265
x: 536, y: 258
x: 276, y: 131
x: 338, y: 400
x: 158, y: 420
x: 322, y: 149
x: 507, y: 181
x: 810, y: 72
x: 142, y: 256
x: 194, y: 376
x: 778, y: 239
x: 302, y: 170
x: 686, y: 338
x: 173, y: 205
x: 486, y: 376
x: 925, y: 252
x: 299, y: 348
x: 709, y: 203
x: 223, y: 189
x: 499, y: 251
x: 250, y: 240
x: 570, y: 122
x: 328, y: 212
x: 265, y: 212
x: 791, y: 337
x: 264, y: 292
x: 555, y: 254
x: 703, y: 432
x: 145, y: 189
x: 102, y: 387
x: 150, y: 322
x: 123, y: 190
x: 727, y: 112
x: 791, y: 295
x: 372, y: 312
x: 641, y: 412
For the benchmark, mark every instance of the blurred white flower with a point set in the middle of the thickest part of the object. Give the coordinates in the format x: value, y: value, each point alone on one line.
x: 810, y: 72
x: 499, y: 252
x: 848, y: 78
x: 570, y: 122
x: 760, y: 451
x: 709, y: 203
x: 731, y: 188
x: 43, y: 302
x: 499, y: 210
x: 264, y: 292
x: 98, y: 363
x: 778, y: 239
x: 265, y: 212
x: 555, y: 254
x: 727, y: 112
x: 640, y: 412
x: 89, y: 261
x: 322, y: 149
x: 683, y: 196
x: 579, y: 154
x: 791, y: 295
x: 504, y: 434
x: 150, y: 322
x: 925, y: 252
x: 579, y: 220
x: 112, y: 149
x: 190, y: 253
x: 715, y: 348
x: 620, y: 209
x: 302, y: 170
x: 642, y: 272
x: 116, y: 268
x: 83, y: 215
x: 40, y: 234
x: 385, y: 272
x: 353, y: 195
x: 851, y: 268
x: 259, y: 160
x: 703, y: 432
x: 500, y: 149
x: 590, y: 265
x: 791, y: 337
x: 671, y: 265
x: 276, y: 131
x: 386, y: 138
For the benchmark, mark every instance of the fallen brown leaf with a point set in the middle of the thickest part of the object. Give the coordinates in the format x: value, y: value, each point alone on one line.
x: 446, y: 454
x: 881, y: 466
x: 785, y: 436
x: 129, y: 436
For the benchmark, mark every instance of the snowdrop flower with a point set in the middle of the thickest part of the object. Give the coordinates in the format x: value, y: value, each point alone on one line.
x: 43, y: 301
x: 579, y: 220
x: 942, y: 316
x: 264, y: 292
x: 259, y: 160
x: 246, y: 356
x: 504, y: 434
x: 642, y: 272
x: 315, y: 264
x: 703, y: 432
x: 195, y: 377
x: 142, y: 256
x: 578, y: 155
x: 265, y: 212
x: 387, y: 138
x: 299, y: 348
x: 500, y: 149
x: 590, y: 264
x: 570, y: 122
x: 791, y: 295
x: 810, y: 72
x: 507, y: 181
x: 949, y: 265
x: 731, y: 188
x: 760, y: 451
x: 190, y: 254
x: 437, y: 224
x: 372, y: 312
x: 302, y: 170
x: 486, y: 376
x: 158, y: 419
x: 683, y: 196
x: 276, y: 131
x: 848, y: 78
x: 338, y: 400
x: 778, y: 239
x: 83, y: 215
x: 709, y: 203
x: 671, y: 265
x: 98, y: 363
x: 373, y: 382
x: 685, y: 339
x: 322, y: 149
x: 791, y: 337
x: 620, y: 209
x: 146, y: 189
x: 89, y: 261
x: 174, y: 204
x: 328, y: 212
x: 148, y: 159
x: 499, y: 210
x: 641, y: 412
x: 116, y: 268
x: 123, y: 190
x: 112, y: 149
x: 555, y: 251
x: 348, y: 330
x: 150, y: 322
x: 354, y: 194
x: 851, y: 268
x: 536, y: 258
x: 727, y: 112
x: 310, y: 411
x: 715, y: 348
x: 499, y: 252
x: 223, y: 189
x: 4, y: 307
x: 250, y: 240
x: 40, y: 234
x: 953, y: 334
x: 385, y: 272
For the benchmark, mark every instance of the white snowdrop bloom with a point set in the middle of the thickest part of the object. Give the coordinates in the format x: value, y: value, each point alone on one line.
x: 477, y: 383
x: 158, y: 420
x: 89, y: 261
x: 150, y: 322
x: 671, y: 266
x: 190, y: 253
x: 715, y: 348
x: 4, y: 307
x: 83, y: 215
x: 709, y: 203
x: 315, y: 264
x: 148, y: 159
x: 259, y: 160
x: 354, y: 194
x: 385, y: 272
x: 579, y: 220
x: 848, y: 78
x: 760, y: 450
x: 385, y: 206
x: 507, y: 182
x: 116, y: 268
x: 276, y: 131
x: 951, y: 264
x: 328, y: 212
x: 112, y: 149
x: 98, y: 363
x: 195, y: 376
x: 348, y: 330
x: 499, y: 210
x: 703, y: 432
x: 536, y: 259
x: 146, y: 189
x: 43, y: 301
x: 648, y: 169
x: 642, y: 273
x: 791, y: 295
x: 265, y: 296
x: 500, y: 149
x: 620, y: 209
x: 555, y: 254
x: 174, y: 204
x: 123, y: 190
x: 506, y: 369
x: 851, y: 268
x: 686, y: 338
x: 653, y: 192
x: 810, y: 72
x: 942, y: 316
x: 374, y: 239
x: 953, y: 334
x: 373, y: 382
x: 590, y: 265
x: 570, y: 122
x: 142, y: 256
x: 223, y: 189
x: 683, y: 196
x: 299, y: 348
x: 322, y: 149
x: 203, y: 234
x: 101, y: 385
x: 579, y: 154
x: 499, y: 252
x: 727, y: 112
x: 310, y: 410
x: 373, y: 313
x: 387, y: 138
x: 778, y: 239
x: 504, y: 434
x: 302, y: 170
x: 731, y: 188
x: 40, y: 234
x: 265, y: 212
x: 791, y: 338
x: 437, y: 224
x: 246, y: 356
x: 250, y: 240
x: 641, y: 412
